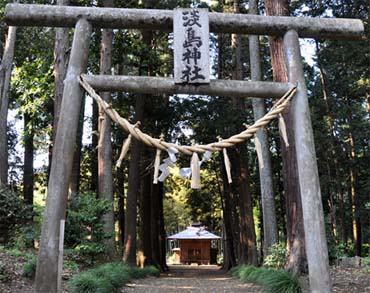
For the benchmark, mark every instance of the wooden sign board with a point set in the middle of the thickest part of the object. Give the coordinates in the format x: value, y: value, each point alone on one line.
x: 191, y: 45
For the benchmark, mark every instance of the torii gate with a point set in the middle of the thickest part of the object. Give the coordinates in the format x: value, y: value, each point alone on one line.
x: 84, y: 18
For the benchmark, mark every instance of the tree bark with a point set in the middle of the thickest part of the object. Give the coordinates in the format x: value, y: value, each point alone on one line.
x: 247, y: 236
x: 156, y: 254
x: 74, y: 185
x: 297, y: 262
x: 270, y: 234
x: 5, y: 73
x: 145, y: 219
x: 129, y: 255
x: 94, y: 149
x: 105, y: 177
x: 121, y: 206
x: 162, y: 232
x: 229, y: 258
x: 28, y: 173
x: 356, y: 222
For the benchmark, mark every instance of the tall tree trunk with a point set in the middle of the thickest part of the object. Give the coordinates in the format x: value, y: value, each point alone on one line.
x: 105, y: 177
x: 270, y: 234
x: 94, y: 149
x: 297, y: 262
x: 61, y: 48
x: 155, y: 218
x: 247, y: 236
x: 129, y: 255
x: 74, y: 185
x: 230, y: 258
x: 145, y: 219
x: 28, y: 173
x: 136, y: 153
x: 162, y: 232
x: 332, y: 158
x: 5, y: 73
x: 356, y: 223
x: 121, y: 206
x: 246, y: 215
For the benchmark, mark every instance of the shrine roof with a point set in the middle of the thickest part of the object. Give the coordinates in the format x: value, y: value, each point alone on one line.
x: 194, y: 233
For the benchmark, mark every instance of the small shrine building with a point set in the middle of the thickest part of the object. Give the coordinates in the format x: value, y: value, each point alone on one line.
x: 195, y: 246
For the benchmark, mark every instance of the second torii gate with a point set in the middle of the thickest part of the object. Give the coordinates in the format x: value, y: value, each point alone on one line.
x: 84, y: 18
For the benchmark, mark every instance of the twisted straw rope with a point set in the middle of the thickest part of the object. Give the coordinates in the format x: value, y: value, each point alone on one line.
x: 279, y: 106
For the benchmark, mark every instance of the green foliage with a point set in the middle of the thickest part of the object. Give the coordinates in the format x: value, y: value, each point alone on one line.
x: 15, y: 252
x: 84, y: 227
x: 108, y: 278
x: 13, y: 211
x: 3, y: 273
x: 277, y: 256
x: 365, y: 261
x: 71, y: 265
x: 341, y: 249
x: 272, y: 281
x: 29, y: 268
x: 137, y: 273
x: 88, y: 282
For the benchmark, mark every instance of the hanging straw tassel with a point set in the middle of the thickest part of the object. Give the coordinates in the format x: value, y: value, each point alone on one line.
x: 124, y: 150
x: 227, y: 166
x: 195, y: 171
x: 282, y: 129
x: 258, y: 146
x: 157, y: 162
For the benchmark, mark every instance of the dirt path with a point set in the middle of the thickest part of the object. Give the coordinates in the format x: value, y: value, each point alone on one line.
x: 191, y: 279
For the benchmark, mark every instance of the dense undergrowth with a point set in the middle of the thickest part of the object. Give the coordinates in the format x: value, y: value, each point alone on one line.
x: 270, y: 280
x: 108, y: 278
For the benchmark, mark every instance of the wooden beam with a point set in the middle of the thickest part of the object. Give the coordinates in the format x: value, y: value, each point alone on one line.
x: 161, y: 85
x: 154, y: 19
x: 309, y: 183
x: 61, y: 168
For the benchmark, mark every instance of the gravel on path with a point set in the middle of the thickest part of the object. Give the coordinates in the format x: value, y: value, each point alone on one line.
x: 181, y: 278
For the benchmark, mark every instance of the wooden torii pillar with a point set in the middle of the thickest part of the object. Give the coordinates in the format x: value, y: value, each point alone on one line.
x: 84, y: 18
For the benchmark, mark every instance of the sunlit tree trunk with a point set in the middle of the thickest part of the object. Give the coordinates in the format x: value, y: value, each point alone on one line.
x: 5, y: 73
x: 105, y: 177
x: 297, y: 262
x: 356, y: 220
x: 247, y: 236
x: 270, y: 234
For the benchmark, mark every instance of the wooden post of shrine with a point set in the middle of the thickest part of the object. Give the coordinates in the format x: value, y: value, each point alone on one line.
x: 61, y: 167
x: 313, y: 214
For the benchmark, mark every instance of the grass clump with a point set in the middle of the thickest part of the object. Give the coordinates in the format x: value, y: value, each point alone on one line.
x: 3, y: 273
x: 88, y: 282
x: 137, y: 273
x: 108, y: 278
x: 271, y: 280
x: 29, y: 268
